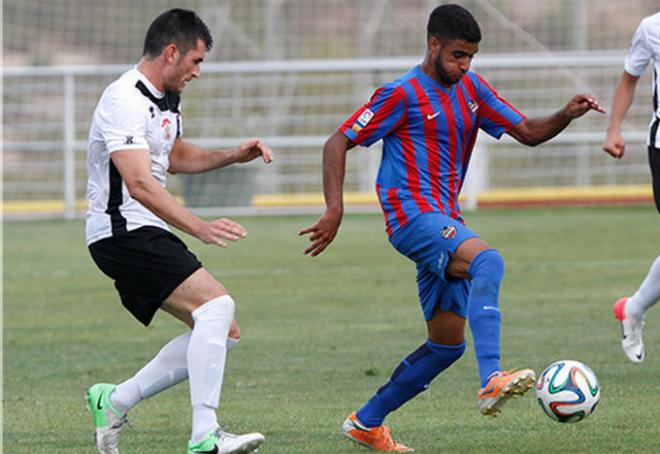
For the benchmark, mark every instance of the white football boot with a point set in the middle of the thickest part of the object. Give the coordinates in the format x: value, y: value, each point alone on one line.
x: 632, y: 343
x: 220, y: 442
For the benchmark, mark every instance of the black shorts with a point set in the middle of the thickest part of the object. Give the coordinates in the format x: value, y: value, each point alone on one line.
x: 147, y: 264
x: 654, y: 162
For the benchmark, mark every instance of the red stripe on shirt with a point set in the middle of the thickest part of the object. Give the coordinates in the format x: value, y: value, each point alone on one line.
x: 412, y: 171
x: 453, y: 151
x: 394, y: 200
x: 465, y: 114
x: 496, y: 117
x: 397, y: 96
x: 467, y: 127
x: 472, y: 92
x: 431, y: 141
x: 497, y: 95
x: 469, y: 86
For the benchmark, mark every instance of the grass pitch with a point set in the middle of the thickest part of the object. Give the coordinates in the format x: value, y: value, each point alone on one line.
x: 321, y: 335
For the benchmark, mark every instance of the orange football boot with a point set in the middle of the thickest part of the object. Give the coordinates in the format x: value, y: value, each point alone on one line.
x: 501, y: 387
x: 375, y: 438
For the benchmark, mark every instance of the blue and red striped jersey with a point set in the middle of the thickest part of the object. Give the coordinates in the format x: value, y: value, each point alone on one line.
x: 428, y: 133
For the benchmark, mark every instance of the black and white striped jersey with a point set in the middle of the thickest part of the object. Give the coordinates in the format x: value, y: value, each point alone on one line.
x: 131, y: 115
x: 645, y: 47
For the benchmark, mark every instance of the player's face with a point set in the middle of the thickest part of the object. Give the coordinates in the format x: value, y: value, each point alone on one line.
x: 452, y: 59
x: 186, y: 67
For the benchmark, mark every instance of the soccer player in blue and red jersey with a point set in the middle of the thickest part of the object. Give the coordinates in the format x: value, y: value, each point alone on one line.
x: 428, y: 120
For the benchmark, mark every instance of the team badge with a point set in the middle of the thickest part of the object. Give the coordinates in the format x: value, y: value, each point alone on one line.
x: 473, y: 106
x: 365, y: 117
x: 166, y: 126
x: 449, y: 232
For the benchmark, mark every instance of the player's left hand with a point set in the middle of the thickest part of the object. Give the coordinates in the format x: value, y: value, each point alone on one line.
x: 251, y: 149
x: 322, y: 232
x: 581, y: 104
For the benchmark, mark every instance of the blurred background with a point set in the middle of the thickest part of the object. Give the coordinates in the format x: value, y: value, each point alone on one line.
x: 290, y: 71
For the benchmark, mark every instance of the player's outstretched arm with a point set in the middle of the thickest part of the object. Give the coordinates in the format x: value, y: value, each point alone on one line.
x: 624, y: 93
x: 134, y: 167
x: 534, y: 131
x: 325, y: 229
x: 187, y: 157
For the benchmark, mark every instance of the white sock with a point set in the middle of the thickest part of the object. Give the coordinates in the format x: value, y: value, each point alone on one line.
x: 207, y: 351
x: 647, y: 295
x: 166, y: 369
x: 232, y: 342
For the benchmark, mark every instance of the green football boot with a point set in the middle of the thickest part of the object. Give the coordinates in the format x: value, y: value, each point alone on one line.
x: 108, y: 420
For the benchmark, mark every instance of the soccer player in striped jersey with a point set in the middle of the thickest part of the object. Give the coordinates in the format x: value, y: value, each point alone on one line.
x: 645, y: 47
x: 428, y: 120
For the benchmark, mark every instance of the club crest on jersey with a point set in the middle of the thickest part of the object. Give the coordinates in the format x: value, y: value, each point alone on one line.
x: 166, y: 126
x: 365, y: 117
x: 473, y: 106
x: 449, y: 232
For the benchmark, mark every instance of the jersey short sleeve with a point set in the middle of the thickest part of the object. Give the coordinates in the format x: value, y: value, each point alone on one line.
x: 496, y: 115
x: 123, y: 124
x: 376, y: 119
x: 640, y: 53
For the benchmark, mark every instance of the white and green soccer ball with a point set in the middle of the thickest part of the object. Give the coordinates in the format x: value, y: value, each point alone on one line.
x: 568, y: 391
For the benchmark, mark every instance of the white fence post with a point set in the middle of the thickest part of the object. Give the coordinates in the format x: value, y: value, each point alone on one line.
x: 477, y: 178
x: 69, y: 147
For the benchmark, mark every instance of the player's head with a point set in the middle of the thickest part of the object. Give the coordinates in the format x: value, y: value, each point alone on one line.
x: 453, y: 37
x: 453, y: 22
x: 181, y: 39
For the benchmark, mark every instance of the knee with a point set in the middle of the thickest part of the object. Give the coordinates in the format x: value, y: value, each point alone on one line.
x: 444, y: 355
x: 446, y: 328
x: 221, y: 308
x: 487, y: 264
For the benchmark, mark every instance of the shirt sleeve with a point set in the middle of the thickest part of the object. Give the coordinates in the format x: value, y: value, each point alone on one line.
x: 378, y: 118
x: 640, y: 53
x: 496, y: 115
x: 124, y: 125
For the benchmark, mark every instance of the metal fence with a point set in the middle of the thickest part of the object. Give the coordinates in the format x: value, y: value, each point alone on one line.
x: 295, y: 105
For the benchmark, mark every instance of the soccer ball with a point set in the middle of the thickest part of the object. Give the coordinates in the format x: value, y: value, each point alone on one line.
x: 568, y: 391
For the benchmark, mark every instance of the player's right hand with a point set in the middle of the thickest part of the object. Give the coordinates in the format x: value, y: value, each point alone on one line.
x: 614, y: 145
x: 215, y: 232
x: 322, y: 232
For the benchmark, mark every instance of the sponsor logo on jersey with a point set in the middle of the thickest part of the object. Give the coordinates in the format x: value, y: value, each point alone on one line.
x: 129, y: 140
x: 473, y: 106
x: 365, y: 117
x: 449, y: 232
x: 166, y: 126
x: 357, y: 128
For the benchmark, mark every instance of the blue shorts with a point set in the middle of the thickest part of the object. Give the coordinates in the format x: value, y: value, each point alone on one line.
x: 427, y: 240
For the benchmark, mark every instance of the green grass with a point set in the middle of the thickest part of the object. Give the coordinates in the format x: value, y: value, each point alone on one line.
x: 320, y: 335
